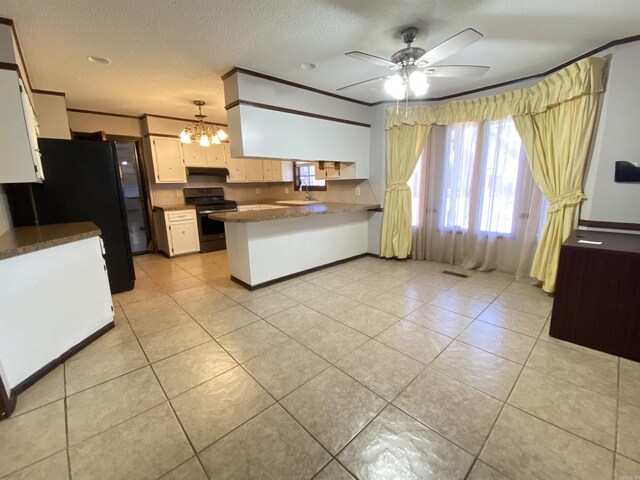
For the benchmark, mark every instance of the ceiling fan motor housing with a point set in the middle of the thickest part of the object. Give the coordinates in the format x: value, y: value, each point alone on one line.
x: 407, y: 56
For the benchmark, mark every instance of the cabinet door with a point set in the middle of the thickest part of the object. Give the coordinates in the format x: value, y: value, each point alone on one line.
x: 19, y: 156
x: 287, y: 171
x: 167, y: 160
x: 276, y: 170
x: 183, y: 237
x: 253, y: 170
x: 347, y: 171
x: 320, y: 174
x: 216, y: 156
x: 236, y: 170
x: 194, y: 155
x: 267, y: 171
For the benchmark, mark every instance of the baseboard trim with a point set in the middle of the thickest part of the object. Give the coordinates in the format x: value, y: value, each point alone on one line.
x: 31, y: 379
x: 298, y: 274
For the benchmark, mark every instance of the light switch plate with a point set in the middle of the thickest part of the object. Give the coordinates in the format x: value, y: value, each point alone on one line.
x: 178, y: 193
x: 257, y: 190
x: 357, y: 191
x: 163, y: 194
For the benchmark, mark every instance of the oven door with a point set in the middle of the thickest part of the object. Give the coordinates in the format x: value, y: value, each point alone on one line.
x: 210, y: 229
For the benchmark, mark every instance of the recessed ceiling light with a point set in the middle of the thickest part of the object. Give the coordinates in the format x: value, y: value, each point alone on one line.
x: 308, y: 66
x: 99, y: 60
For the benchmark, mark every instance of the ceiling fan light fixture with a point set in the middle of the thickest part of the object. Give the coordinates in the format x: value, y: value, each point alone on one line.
x: 396, y: 87
x: 418, y: 82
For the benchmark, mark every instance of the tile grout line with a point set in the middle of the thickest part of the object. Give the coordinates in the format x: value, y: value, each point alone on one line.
x: 66, y: 420
x: 161, y: 388
x: 175, y: 416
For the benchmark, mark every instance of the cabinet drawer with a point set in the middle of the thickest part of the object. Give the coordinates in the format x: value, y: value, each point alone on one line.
x: 181, y: 216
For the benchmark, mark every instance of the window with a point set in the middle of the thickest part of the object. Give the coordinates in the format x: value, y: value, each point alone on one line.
x: 481, y: 177
x: 305, y: 177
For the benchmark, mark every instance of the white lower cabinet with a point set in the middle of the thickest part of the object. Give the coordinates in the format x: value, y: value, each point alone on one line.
x: 48, y: 311
x: 177, y: 231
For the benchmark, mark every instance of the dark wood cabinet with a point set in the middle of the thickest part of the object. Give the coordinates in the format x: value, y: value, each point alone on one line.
x: 597, y: 298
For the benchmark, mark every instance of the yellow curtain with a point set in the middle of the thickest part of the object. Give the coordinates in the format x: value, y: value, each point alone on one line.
x: 404, y: 146
x: 557, y: 144
x: 555, y: 118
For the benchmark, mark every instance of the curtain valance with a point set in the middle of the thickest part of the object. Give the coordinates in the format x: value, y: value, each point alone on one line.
x: 584, y: 77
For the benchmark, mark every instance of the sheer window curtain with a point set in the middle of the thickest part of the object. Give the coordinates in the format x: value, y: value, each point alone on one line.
x: 477, y: 203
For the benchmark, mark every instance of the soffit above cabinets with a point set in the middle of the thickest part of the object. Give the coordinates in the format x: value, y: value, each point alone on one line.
x: 165, y: 54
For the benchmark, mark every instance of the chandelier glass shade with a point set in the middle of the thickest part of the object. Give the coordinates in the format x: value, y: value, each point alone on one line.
x: 399, y: 84
x: 203, y: 133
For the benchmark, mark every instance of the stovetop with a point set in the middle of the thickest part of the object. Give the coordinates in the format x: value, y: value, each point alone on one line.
x: 210, y: 198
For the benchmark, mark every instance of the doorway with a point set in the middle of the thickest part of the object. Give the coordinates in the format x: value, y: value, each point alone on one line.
x: 134, y: 198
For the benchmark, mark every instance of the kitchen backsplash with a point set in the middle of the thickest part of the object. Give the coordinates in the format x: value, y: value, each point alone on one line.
x: 342, y: 191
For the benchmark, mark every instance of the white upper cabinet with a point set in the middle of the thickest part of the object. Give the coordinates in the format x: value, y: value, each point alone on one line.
x: 253, y: 170
x: 277, y: 120
x: 198, y: 156
x: 216, y: 156
x: 194, y: 155
x: 19, y: 155
x: 168, y: 165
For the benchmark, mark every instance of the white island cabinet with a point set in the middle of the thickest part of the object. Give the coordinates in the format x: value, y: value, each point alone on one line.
x: 54, y: 297
x: 267, y: 245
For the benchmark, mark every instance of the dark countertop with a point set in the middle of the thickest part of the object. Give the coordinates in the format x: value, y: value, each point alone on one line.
x: 22, y: 240
x: 168, y: 208
x: 611, y: 241
x: 291, y: 212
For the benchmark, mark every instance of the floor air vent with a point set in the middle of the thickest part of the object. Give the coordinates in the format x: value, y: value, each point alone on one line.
x: 455, y: 274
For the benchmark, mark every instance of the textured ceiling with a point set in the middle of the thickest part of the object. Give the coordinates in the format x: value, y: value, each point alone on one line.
x: 165, y: 53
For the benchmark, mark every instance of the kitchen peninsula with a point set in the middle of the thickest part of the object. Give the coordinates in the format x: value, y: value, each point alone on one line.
x: 275, y: 241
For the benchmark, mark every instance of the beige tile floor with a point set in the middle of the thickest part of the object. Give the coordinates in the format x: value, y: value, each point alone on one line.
x: 372, y: 370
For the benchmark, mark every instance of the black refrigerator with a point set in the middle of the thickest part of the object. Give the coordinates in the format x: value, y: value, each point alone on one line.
x: 81, y: 182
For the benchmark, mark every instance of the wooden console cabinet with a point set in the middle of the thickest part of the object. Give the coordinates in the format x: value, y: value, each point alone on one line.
x: 597, y: 298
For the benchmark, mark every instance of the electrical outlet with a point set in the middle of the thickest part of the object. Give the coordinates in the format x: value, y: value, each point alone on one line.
x: 178, y: 193
x: 257, y: 190
x: 286, y: 189
x: 357, y: 191
x: 163, y: 194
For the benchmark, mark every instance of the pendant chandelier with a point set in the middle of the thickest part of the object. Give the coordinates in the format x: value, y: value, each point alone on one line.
x: 203, y: 133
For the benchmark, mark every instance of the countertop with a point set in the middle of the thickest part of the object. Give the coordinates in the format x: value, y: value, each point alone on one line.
x: 291, y: 212
x: 168, y: 208
x: 21, y: 240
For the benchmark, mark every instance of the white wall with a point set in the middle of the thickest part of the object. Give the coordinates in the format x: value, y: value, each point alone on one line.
x: 51, y: 111
x: 114, y: 125
x: 616, y: 139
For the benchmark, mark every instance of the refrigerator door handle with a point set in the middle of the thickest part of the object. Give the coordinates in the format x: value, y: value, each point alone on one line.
x: 104, y: 252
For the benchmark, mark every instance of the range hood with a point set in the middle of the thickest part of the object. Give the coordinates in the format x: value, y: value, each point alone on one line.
x: 211, y: 171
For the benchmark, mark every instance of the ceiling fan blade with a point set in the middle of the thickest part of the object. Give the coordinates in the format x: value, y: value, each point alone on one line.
x: 451, y: 46
x: 365, y: 57
x: 371, y: 80
x: 456, y: 70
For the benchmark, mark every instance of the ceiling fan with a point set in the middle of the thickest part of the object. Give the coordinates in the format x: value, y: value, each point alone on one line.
x: 413, y: 65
